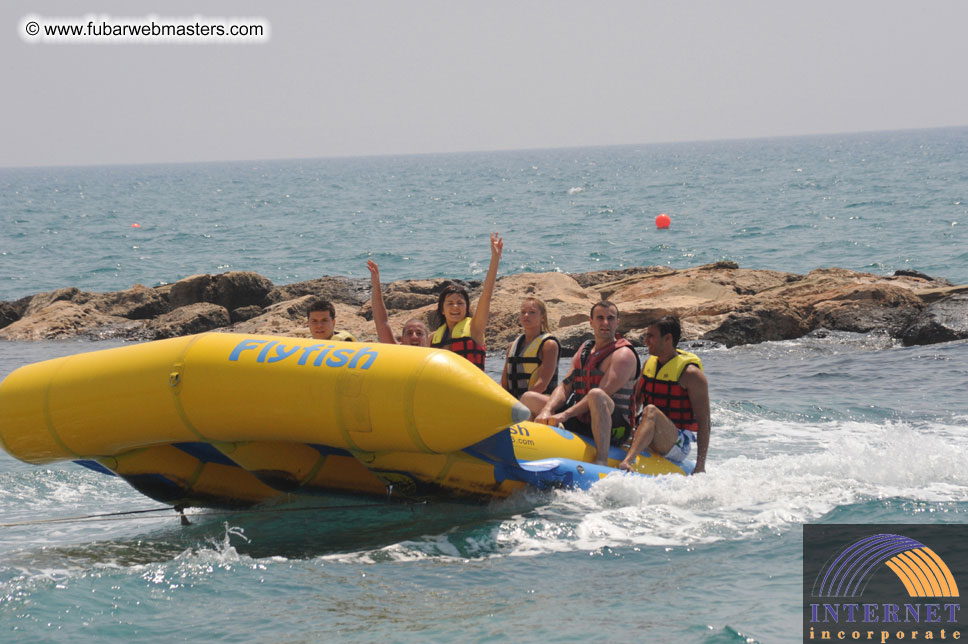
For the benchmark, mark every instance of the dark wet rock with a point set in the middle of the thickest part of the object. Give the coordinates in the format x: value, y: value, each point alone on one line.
x: 775, y: 320
x: 244, y: 313
x: 942, y: 321
x: 408, y: 301
x: 185, y: 320
x: 236, y: 289
x: 920, y: 275
x: 43, y: 300
x: 868, y: 308
x: 230, y: 290
x: 346, y: 290
x: 136, y: 303
x: 10, y: 312
x: 190, y: 290
x: 721, y: 265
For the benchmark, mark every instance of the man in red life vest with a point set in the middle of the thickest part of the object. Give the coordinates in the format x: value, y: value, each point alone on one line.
x: 676, y: 397
x: 596, y: 398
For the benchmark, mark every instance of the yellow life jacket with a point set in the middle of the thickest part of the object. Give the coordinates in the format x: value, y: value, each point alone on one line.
x: 522, y: 370
x: 662, y: 389
x: 342, y: 336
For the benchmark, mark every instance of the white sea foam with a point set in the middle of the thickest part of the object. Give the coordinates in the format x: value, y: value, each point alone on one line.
x: 769, y: 490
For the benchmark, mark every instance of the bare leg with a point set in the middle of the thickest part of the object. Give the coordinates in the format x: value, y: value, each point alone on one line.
x: 600, y: 406
x: 534, y: 401
x: 655, y: 432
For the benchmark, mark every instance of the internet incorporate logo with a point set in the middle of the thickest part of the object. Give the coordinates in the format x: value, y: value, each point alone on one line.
x: 922, y: 572
x: 879, y: 583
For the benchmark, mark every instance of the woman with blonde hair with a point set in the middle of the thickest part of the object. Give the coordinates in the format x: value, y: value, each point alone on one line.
x: 532, y: 359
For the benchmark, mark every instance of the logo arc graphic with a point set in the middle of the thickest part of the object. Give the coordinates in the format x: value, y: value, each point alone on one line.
x: 920, y: 569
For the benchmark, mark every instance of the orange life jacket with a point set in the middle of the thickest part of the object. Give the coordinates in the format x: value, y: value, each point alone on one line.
x: 586, y: 375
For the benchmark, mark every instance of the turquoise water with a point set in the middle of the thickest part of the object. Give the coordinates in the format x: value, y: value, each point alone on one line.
x: 841, y: 428
x: 872, y: 202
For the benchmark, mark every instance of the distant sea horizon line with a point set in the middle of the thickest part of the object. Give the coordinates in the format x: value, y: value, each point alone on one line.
x: 456, y: 153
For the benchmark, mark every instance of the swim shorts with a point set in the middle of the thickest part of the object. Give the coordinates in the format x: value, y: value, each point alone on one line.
x: 680, y: 451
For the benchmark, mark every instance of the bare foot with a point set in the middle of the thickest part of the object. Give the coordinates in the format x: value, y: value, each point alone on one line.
x: 625, y: 465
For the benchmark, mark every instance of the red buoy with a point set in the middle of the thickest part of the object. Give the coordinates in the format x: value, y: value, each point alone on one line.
x: 663, y: 221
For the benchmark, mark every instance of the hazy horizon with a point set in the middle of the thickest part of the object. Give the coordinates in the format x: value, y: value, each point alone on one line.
x: 335, y: 80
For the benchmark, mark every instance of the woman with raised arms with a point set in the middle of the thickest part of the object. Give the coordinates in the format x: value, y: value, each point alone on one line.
x: 460, y: 330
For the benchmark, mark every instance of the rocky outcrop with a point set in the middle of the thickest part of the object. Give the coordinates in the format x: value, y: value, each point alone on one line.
x: 345, y: 290
x: 10, y: 312
x: 185, y: 320
x: 62, y: 318
x: 943, y: 321
x: 231, y: 290
x: 719, y: 303
x: 137, y: 303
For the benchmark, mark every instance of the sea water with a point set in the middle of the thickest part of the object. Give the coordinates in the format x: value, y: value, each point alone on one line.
x: 869, y: 202
x: 835, y: 427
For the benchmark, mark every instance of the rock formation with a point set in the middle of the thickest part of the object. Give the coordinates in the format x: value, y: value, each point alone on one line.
x: 718, y: 302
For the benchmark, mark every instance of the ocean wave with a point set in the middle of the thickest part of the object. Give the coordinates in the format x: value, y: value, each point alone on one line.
x: 774, y: 489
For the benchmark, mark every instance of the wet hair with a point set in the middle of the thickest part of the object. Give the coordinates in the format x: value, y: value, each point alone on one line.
x: 542, y: 309
x: 669, y: 325
x: 450, y: 289
x: 321, y: 304
x: 606, y: 303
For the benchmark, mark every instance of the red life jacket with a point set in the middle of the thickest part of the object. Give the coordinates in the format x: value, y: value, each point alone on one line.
x: 660, y: 387
x: 586, y: 375
x: 460, y: 342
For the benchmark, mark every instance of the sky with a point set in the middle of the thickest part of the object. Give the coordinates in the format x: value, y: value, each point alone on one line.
x: 339, y: 78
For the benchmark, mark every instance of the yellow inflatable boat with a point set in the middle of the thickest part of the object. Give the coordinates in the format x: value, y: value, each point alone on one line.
x: 227, y: 420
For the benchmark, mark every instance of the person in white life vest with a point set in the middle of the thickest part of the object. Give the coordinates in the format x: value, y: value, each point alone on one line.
x: 321, y: 316
x: 675, y: 392
x: 531, y: 363
x: 597, y: 397
x: 415, y: 331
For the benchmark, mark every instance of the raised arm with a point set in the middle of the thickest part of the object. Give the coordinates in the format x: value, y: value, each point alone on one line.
x: 380, y: 317
x: 483, y: 312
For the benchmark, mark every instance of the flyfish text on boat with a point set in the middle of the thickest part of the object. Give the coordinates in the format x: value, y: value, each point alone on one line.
x: 317, y: 355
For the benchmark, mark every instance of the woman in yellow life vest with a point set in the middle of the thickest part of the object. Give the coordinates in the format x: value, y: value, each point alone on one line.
x: 460, y: 330
x: 532, y: 359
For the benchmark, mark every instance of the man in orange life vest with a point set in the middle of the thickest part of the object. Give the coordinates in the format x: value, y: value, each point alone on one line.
x: 596, y: 398
x: 676, y: 396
